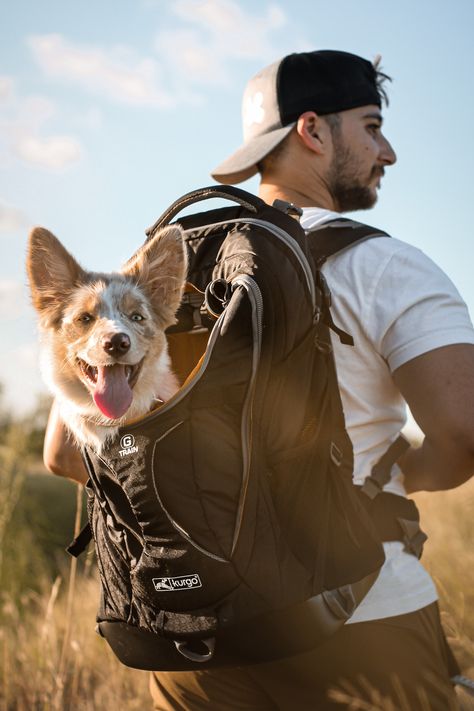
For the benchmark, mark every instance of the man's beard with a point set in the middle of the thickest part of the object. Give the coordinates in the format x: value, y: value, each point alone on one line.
x: 345, y: 184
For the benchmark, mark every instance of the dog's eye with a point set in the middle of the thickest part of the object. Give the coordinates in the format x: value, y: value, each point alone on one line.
x: 136, y: 317
x: 85, y: 318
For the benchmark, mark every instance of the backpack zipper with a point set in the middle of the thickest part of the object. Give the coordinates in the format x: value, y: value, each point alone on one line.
x: 256, y: 301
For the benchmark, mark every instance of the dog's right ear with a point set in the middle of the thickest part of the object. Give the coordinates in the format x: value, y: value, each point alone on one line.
x: 52, y: 273
x: 159, y: 267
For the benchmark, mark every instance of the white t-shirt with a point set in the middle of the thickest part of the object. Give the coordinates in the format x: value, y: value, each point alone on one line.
x: 396, y: 304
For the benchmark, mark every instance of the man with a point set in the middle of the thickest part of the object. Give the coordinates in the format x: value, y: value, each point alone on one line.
x: 313, y: 130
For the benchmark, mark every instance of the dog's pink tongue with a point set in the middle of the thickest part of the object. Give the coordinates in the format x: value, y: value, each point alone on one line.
x: 112, y: 395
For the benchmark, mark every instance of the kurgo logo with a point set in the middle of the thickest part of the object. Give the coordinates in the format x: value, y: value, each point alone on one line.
x: 181, y: 582
x: 128, y: 445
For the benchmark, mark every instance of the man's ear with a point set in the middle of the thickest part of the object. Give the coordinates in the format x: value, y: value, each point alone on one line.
x: 313, y: 132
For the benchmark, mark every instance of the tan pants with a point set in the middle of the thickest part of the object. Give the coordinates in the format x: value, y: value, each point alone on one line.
x: 404, y: 659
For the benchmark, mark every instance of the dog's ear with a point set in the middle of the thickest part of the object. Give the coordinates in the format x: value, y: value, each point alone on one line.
x: 159, y: 267
x: 52, y: 272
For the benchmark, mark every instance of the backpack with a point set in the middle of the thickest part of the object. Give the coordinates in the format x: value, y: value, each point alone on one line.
x: 226, y: 525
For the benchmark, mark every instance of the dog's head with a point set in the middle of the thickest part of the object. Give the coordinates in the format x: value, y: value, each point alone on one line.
x: 103, y: 334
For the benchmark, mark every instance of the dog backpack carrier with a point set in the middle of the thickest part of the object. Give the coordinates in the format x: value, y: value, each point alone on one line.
x: 226, y: 524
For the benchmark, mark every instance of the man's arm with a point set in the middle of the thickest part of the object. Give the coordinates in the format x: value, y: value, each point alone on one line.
x: 439, y: 389
x: 60, y: 454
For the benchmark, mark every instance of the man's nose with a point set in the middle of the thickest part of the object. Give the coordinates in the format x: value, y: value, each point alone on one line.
x: 387, y: 154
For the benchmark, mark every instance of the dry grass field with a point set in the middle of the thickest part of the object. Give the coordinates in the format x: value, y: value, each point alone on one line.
x: 50, y: 657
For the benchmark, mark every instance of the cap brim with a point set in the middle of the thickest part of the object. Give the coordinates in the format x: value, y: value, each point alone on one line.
x: 242, y: 164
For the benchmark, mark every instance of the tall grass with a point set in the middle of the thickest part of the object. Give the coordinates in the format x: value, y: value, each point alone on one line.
x: 52, y: 660
x: 50, y: 657
x: 448, y: 519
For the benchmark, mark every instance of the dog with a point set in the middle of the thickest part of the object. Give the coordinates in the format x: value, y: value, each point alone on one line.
x: 103, y: 350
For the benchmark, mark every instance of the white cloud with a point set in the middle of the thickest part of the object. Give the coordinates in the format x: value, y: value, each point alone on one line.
x: 223, y: 31
x: 238, y: 33
x: 191, y: 57
x: 92, y: 118
x: 11, y: 219
x: 23, y: 125
x: 12, y: 299
x: 115, y: 73
x: 209, y: 35
x: 53, y: 152
x: 6, y: 88
x: 36, y: 110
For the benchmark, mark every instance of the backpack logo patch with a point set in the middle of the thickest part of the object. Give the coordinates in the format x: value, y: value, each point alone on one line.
x: 127, y: 443
x: 181, y: 582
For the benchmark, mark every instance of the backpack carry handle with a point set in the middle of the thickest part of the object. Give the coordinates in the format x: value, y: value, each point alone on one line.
x: 228, y: 192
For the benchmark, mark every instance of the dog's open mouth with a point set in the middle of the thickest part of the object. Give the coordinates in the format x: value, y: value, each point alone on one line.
x: 111, y: 386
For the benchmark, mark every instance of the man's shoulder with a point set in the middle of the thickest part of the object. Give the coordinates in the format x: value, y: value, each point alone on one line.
x: 372, y: 250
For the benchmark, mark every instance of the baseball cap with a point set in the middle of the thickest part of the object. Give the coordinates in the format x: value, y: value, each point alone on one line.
x: 325, y: 81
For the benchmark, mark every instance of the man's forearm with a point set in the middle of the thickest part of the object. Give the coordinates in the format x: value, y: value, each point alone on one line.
x: 60, y: 454
x: 434, y: 467
x: 68, y: 463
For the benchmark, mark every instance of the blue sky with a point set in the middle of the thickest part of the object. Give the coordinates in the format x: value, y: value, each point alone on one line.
x: 111, y: 110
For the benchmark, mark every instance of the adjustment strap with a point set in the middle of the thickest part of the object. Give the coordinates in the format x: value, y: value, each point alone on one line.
x: 192, y: 314
x: 80, y: 543
x: 325, y: 310
x: 345, y: 338
x: 380, y: 474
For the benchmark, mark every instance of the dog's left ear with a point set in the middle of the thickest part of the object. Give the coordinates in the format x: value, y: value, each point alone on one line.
x: 52, y: 273
x: 159, y: 267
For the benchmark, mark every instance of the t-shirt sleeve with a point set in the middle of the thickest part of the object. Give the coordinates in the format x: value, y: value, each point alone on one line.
x: 415, y: 309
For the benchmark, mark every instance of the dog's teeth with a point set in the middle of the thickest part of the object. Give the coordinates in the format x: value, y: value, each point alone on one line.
x: 128, y: 371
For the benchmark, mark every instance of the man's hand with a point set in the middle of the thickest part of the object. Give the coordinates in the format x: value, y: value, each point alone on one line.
x: 60, y: 455
x: 439, y: 389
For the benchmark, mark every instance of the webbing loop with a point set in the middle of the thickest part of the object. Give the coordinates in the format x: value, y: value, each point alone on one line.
x: 381, y: 471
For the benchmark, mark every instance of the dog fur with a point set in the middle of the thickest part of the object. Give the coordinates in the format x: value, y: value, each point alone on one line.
x: 110, y: 327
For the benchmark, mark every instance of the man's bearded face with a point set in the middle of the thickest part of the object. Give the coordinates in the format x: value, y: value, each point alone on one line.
x: 350, y: 179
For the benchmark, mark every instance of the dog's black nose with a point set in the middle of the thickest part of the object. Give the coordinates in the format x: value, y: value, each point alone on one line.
x: 118, y: 344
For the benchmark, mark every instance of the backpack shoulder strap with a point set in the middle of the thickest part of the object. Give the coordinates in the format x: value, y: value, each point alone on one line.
x: 336, y: 235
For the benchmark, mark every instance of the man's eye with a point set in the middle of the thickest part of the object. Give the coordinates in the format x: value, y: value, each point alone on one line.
x: 136, y: 317
x: 85, y: 317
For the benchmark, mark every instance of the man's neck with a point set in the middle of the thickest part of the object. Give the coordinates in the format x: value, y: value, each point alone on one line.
x: 270, y: 192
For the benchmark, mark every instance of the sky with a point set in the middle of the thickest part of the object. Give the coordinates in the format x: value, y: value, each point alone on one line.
x: 110, y: 110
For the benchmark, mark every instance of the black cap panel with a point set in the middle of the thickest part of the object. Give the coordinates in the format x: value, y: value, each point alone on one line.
x: 326, y: 82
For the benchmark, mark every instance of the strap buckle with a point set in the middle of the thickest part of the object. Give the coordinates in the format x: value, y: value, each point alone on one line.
x: 381, y: 471
x: 414, y: 537
x: 371, y: 487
